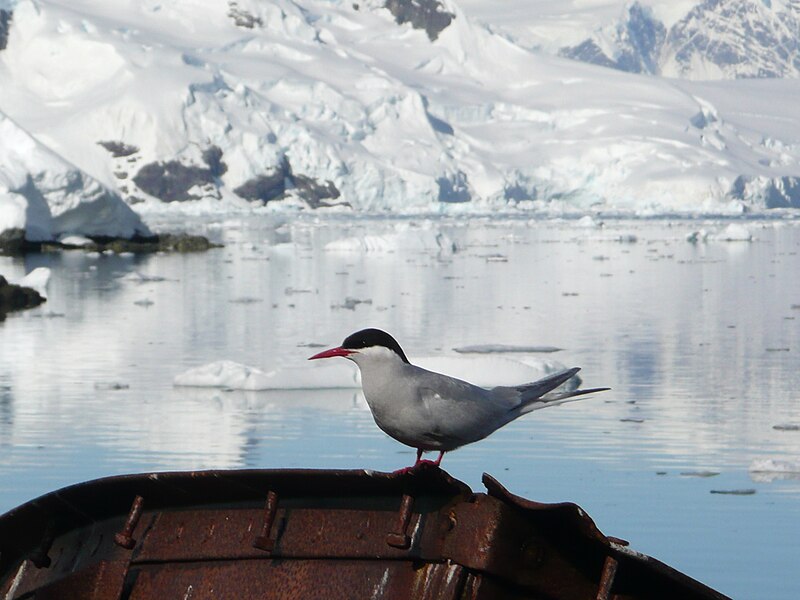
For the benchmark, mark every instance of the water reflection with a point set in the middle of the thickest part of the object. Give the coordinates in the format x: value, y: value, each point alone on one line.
x: 692, y: 338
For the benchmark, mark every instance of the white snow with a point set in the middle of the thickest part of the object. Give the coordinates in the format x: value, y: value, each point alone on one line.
x: 396, y: 122
x: 78, y: 241
x: 405, y: 239
x: 734, y: 232
x: 47, y: 197
x: 774, y: 465
x: 483, y: 371
x: 503, y: 348
x: 38, y: 280
x: 232, y: 375
x: 767, y: 470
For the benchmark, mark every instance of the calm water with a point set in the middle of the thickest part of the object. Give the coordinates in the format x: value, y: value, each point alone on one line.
x: 699, y: 342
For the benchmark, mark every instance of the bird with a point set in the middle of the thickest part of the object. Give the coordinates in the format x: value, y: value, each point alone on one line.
x: 431, y: 411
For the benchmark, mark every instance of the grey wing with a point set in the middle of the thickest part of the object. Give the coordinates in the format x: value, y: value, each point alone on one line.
x: 458, y: 412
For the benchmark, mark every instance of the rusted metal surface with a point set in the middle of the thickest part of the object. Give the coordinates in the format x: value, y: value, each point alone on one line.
x: 124, y: 538
x: 322, y: 534
x: 265, y: 541
x: 607, y: 578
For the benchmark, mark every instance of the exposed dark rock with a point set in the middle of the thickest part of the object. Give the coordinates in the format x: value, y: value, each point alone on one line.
x: 454, y: 189
x: 639, y: 42
x: 12, y: 241
x: 422, y: 14
x: 183, y: 242
x: 277, y: 183
x: 267, y: 187
x: 642, y: 38
x: 16, y: 297
x: 119, y: 149
x: 518, y: 193
x: 263, y: 187
x: 242, y: 18
x: 314, y: 192
x: 164, y: 242
x: 588, y: 51
x: 171, y: 181
x: 5, y: 26
x: 212, y: 156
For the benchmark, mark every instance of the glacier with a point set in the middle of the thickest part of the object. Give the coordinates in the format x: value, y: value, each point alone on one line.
x: 113, y: 114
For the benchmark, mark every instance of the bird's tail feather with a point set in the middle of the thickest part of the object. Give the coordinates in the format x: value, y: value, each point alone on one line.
x: 539, y: 393
x: 533, y: 391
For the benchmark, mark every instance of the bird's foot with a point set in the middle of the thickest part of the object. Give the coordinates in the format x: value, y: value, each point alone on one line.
x: 404, y: 470
x: 418, y: 466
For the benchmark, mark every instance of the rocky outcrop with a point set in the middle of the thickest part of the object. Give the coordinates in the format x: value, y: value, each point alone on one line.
x: 174, y: 181
x: 314, y: 192
x: 12, y: 241
x: 279, y: 182
x: 589, y: 52
x: 242, y: 18
x: 119, y: 149
x: 717, y: 39
x: 421, y: 14
x: 16, y: 297
x: 454, y: 188
x: 164, y: 242
x: 637, y: 43
x: 5, y: 25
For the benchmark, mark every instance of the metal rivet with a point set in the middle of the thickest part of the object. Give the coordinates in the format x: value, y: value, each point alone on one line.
x: 125, y: 537
x: 399, y: 538
x: 264, y: 541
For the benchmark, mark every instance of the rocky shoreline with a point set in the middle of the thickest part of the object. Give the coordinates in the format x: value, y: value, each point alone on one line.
x: 17, y: 297
x: 13, y: 242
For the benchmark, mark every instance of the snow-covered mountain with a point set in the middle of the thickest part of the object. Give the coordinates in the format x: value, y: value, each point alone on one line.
x: 400, y: 105
x: 716, y: 39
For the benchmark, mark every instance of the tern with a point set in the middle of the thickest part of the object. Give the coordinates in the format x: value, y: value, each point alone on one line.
x: 434, y: 412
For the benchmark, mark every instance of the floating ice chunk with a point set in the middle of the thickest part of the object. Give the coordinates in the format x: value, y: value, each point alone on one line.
x: 489, y: 371
x: 111, y: 385
x: 627, y: 238
x: 701, y: 235
x: 77, y: 241
x: 233, y: 375
x: 588, y: 222
x: 503, y: 348
x: 480, y: 370
x: 408, y: 240
x: 766, y: 470
x: 38, y: 280
x: 136, y: 277
x: 787, y: 427
x: 734, y: 233
x: 701, y: 474
x: 773, y: 465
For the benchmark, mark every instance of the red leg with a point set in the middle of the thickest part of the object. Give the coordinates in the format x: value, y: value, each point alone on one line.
x: 420, y: 463
x: 417, y: 463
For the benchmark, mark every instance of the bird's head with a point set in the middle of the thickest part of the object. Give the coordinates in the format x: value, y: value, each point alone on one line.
x: 366, y: 344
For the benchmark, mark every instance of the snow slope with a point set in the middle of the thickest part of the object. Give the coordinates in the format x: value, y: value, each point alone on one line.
x: 47, y: 198
x: 204, y: 105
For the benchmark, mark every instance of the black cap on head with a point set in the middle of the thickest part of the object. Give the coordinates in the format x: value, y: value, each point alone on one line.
x: 367, y: 338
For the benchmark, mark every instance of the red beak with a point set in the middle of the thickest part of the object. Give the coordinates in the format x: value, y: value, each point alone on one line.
x: 332, y: 352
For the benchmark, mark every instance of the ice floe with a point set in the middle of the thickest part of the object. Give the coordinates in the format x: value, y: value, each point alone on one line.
x: 486, y: 371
